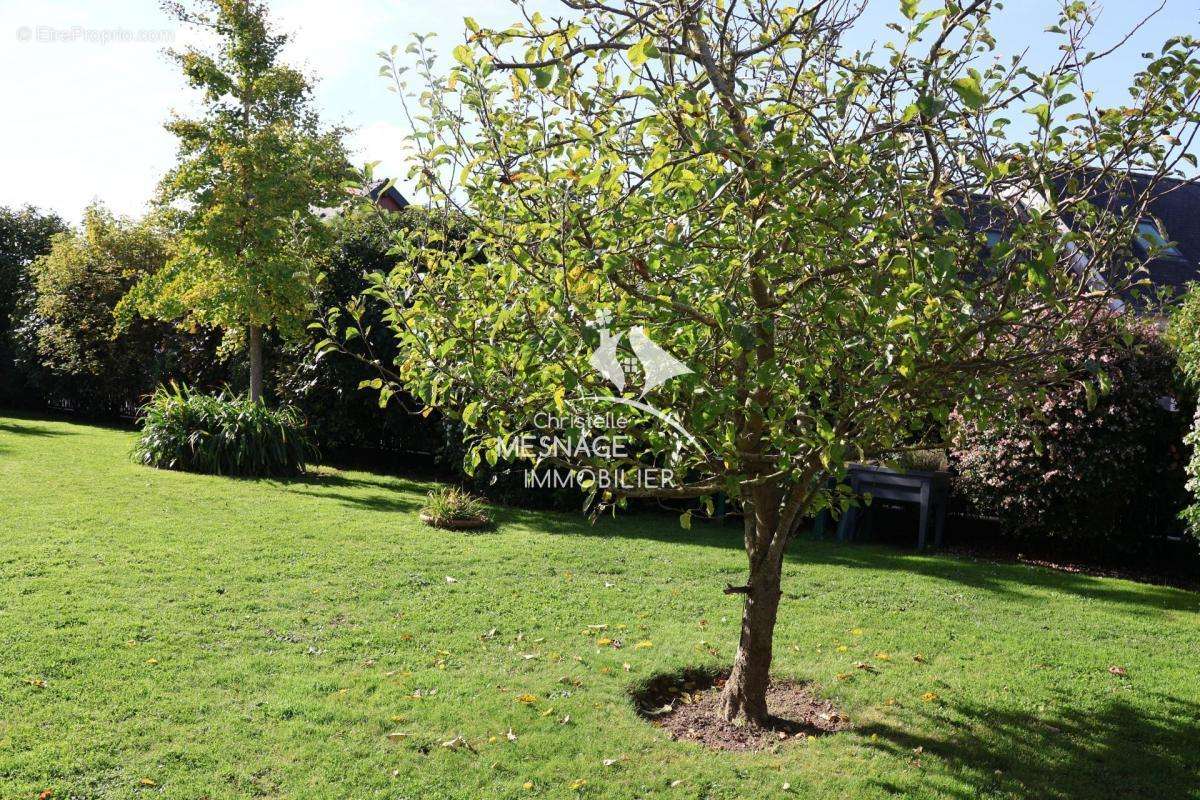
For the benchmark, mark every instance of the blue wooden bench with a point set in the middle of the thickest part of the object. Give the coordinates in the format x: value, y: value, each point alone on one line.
x: 929, y: 490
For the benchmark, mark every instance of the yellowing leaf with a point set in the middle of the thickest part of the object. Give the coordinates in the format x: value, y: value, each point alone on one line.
x: 526, y: 699
x: 643, y: 644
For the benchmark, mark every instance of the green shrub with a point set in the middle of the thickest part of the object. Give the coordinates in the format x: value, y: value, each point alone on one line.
x: 222, y: 435
x: 449, y: 505
x: 1098, y: 477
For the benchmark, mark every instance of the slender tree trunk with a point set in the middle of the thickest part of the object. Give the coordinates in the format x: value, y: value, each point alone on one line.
x: 256, y: 363
x: 745, y: 694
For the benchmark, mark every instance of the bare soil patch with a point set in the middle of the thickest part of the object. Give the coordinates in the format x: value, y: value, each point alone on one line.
x: 685, y: 704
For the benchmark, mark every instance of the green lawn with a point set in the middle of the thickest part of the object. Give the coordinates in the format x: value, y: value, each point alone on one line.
x: 228, y: 638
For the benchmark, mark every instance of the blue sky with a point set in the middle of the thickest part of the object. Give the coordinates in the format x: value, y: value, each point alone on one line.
x: 87, y: 85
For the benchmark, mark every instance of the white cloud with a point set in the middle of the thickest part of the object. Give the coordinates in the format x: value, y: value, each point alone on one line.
x: 384, y: 142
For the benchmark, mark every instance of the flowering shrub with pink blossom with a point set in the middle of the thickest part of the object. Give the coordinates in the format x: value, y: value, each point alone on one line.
x: 1086, y: 473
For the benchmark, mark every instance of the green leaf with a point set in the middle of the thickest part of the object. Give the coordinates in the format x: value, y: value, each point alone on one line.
x: 968, y: 89
x: 471, y: 413
x: 909, y: 8
x: 636, y: 54
x: 462, y: 54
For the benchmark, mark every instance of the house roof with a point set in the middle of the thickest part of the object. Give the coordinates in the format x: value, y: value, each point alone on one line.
x: 383, y: 188
x: 1175, y: 204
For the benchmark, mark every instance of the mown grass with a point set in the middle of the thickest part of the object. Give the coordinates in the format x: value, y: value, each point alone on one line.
x: 172, y: 635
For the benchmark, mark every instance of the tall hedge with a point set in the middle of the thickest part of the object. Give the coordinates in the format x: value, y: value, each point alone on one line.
x: 343, y: 418
x: 26, y: 234
x: 1096, y: 475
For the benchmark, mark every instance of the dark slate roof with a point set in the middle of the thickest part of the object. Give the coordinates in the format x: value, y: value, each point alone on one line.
x: 1175, y: 204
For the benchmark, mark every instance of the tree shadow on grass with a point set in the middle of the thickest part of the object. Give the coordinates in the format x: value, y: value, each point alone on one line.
x: 321, y: 483
x: 1010, y: 580
x: 29, y: 430
x: 1118, y: 751
x: 1014, y: 580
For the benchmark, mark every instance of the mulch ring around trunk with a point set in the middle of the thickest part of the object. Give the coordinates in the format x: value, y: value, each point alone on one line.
x: 685, y: 705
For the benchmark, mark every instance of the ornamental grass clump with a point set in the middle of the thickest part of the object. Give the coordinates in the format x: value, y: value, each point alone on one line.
x: 451, y: 507
x: 221, y: 434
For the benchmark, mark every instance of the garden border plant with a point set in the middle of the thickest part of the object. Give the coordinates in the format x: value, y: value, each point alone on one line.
x: 221, y: 434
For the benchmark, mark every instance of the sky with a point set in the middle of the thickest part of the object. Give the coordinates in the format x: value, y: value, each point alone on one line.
x: 87, y: 83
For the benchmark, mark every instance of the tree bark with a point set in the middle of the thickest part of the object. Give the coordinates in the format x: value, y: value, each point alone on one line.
x: 745, y: 693
x: 256, y: 363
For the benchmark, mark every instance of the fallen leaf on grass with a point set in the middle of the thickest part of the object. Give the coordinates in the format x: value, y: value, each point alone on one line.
x: 929, y: 697
x: 643, y: 644
x: 1120, y: 672
x: 527, y: 786
x: 451, y: 580
x: 46, y: 795
x: 147, y: 782
x: 527, y: 699
x: 397, y: 736
x: 578, y: 784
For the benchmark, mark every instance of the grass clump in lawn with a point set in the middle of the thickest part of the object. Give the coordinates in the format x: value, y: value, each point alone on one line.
x: 452, y: 507
x: 221, y: 435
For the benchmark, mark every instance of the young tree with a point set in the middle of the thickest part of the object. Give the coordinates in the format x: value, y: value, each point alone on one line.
x: 841, y: 246
x: 253, y: 172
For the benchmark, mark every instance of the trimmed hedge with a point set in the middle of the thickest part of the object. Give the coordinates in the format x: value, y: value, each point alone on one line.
x: 1098, y: 482
x: 221, y: 435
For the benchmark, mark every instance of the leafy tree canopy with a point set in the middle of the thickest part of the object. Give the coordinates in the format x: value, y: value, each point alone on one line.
x: 254, y: 170
x: 803, y: 226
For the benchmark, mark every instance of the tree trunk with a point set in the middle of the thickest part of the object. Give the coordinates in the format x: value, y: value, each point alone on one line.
x: 256, y: 363
x: 745, y: 694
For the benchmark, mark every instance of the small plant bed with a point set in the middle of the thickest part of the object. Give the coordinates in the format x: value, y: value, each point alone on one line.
x: 684, y: 704
x: 223, y: 434
x: 455, y: 509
